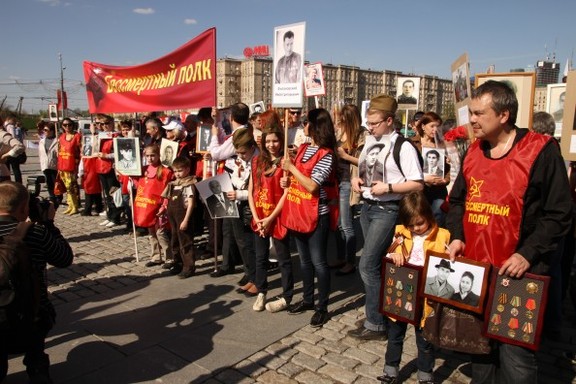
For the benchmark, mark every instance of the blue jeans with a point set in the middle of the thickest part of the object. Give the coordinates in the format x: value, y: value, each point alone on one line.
x: 347, y: 237
x: 282, y: 247
x: 396, y: 334
x: 378, y: 223
x: 313, y: 261
x: 439, y: 214
x: 516, y: 365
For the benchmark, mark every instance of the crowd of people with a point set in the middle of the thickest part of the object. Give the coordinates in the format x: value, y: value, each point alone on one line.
x: 311, y: 181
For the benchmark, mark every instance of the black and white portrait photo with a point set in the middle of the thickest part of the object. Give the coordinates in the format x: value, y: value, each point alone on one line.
x: 168, y: 152
x: 462, y: 283
x: 203, y: 135
x: 213, y: 193
x: 127, y: 156
x: 433, y: 161
x: 407, y: 91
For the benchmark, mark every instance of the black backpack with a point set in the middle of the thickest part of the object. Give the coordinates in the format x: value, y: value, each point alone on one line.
x: 19, y: 287
x: 396, y: 153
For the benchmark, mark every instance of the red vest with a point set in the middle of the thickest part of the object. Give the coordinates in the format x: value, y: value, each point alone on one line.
x: 106, y: 147
x: 148, y: 196
x: 266, y: 194
x: 300, y: 211
x: 495, y: 199
x: 90, y: 180
x: 68, y: 153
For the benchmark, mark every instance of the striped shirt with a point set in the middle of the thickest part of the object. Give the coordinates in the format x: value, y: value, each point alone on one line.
x: 320, y: 174
x: 47, y: 246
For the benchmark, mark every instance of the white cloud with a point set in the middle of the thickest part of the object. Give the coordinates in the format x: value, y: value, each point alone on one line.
x: 144, y: 11
x: 52, y: 3
x: 190, y: 21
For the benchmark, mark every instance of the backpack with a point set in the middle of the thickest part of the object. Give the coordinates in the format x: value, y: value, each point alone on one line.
x: 19, y: 289
x: 396, y: 153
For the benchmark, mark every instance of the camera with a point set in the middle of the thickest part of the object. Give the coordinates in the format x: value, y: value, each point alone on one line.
x: 38, y: 206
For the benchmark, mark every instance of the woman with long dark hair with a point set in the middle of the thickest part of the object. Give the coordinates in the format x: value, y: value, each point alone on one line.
x: 311, y: 209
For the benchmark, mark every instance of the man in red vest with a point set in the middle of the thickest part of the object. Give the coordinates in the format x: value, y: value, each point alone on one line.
x: 510, y: 206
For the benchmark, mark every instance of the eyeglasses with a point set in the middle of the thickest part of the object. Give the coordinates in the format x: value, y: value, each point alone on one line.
x: 66, y: 125
x: 374, y: 124
x: 295, y: 113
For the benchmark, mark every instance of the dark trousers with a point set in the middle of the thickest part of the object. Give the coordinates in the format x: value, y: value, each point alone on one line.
x: 235, y: 233
x: 12, y: 163
x: 181, y: 242
x: 313, y: 262
x: 50, y: 175
x: 109, y: 180
x: 396, y: 335
x: 93, y: 199
x: 282, y: 247
x: 508, y: 365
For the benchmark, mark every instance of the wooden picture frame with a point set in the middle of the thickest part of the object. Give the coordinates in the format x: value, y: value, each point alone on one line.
x: 555, y: 101
x: 127, y: 160
x: 515, y: 309
x: 462, y: 88
x: 523, y: 84
x: 568, y: 140
x: 400, y: 292
x: 461, y: 273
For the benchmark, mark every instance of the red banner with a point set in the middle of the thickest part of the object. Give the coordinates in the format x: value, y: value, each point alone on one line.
x: 185, y: 78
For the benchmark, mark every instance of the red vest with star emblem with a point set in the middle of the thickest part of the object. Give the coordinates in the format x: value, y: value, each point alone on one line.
x: 266, y: 193
x: 149, y: 196
x: 300, y: 211
x: 495, y: 199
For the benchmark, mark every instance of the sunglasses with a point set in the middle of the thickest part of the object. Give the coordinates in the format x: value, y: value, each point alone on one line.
x: 66, y: 125
x: 295, y: 113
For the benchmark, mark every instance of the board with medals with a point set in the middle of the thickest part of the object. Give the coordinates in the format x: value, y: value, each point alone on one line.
x: 400, y: 292
x: 516, y: 309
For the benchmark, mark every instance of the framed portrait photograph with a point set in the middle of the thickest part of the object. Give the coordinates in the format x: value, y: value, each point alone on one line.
x: 434, y: 160
x: 523, y: 84
x: 168, y: 152
x: 568, y: 141
x: 127, y: 159
x: 364, y: 112
x: 555, y: 98
x: 516, y: 309
x: 314, y: 82
x: 462, y: 284
x: 213, y: 193
x: 257, y: 107
x: 462, y: 87
x: 371, y: 163
x: 288, y: 65
x: 407, y: 91
x: 224, y: 120
x: 89, y: 142
x: 203, y: 135
x: 400, y: 292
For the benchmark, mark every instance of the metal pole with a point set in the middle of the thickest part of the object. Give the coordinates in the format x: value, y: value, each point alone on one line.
x: 62, y: 86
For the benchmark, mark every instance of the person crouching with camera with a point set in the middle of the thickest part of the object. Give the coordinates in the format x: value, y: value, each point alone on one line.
x: 26, y: 314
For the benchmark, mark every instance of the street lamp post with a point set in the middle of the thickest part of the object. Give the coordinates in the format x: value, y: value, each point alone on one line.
x: 62, y: 87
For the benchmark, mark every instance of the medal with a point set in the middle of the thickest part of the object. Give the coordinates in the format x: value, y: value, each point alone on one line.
x: 399, y: 293
x: 408, y: 306
x: 409, y: 297
x: 532, y: 288
x: 500, y: 308
x: 389, y: 291
x: 530, y: 306
x: 516, y: 301
x: 390, y: 282
x: 399, y: 285
x: 514, y: 312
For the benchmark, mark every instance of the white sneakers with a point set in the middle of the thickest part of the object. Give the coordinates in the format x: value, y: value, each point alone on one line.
x: 276, y: 305
x: 108, y: 224
x: 105, y: 222
x: 259, y: 303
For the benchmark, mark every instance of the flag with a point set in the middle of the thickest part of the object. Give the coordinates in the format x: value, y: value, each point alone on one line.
x: 62, y: 100
x: 184, y: 78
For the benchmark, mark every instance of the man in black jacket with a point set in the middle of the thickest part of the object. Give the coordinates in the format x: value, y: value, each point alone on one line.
x: 46, y: 246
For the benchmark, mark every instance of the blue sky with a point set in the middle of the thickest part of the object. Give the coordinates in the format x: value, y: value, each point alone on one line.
x: 418, y: 36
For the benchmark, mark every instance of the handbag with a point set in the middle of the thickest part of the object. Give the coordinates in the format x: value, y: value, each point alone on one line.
x: 59, y: 187
x: 455, y: 329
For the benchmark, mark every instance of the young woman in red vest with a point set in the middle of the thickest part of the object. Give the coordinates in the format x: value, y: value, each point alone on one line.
x: 89, y: 175
x: 148, y: 202
x: 311, y: 209
x: 68, y: 160
x: 266, y: 198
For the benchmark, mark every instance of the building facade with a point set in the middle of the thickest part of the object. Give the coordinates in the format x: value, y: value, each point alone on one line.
x: 250, y: 81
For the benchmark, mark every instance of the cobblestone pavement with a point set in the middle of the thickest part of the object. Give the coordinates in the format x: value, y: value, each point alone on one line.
x: 105, y: 262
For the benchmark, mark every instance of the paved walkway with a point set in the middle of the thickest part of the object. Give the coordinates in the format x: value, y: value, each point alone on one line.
x: 120, y: 322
